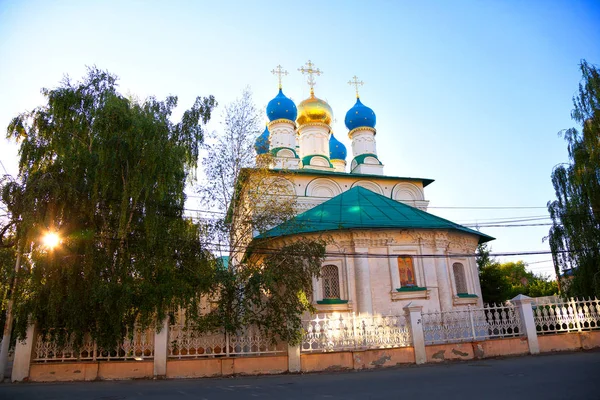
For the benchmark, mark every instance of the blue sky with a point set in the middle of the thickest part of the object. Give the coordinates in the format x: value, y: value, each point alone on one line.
x: 469, y: 93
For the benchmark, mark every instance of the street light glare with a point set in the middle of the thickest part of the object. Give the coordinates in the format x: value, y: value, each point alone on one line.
x: 51, y: 240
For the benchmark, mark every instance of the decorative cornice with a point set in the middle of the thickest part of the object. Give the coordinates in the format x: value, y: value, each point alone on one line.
x: 321, y: 124
x: 420, y: 294
x: 459, y: 301
x: 282, y: 121
x: 361, y: 128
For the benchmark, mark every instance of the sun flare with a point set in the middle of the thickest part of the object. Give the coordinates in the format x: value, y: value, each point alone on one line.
x: 51, y: 240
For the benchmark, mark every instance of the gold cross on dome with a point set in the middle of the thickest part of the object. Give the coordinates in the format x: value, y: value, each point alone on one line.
x: 311, y: 72
x: 279, y: 71
x: 356, y: 83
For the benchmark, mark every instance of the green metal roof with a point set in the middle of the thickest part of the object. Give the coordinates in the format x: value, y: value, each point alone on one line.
x: 360, y: 208
x: 361, y: 158
x: 306, y: 160
x: 223, y: 261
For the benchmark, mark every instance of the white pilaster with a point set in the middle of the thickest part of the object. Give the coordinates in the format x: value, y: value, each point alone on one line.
x: 443, y: 277
x: 161, y: 349
x: 363, y: 281
x: 415, y: 319
x: 23, y: 355
x: 523, y: 303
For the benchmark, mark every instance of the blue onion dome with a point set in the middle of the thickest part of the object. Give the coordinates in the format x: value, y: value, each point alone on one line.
x: 281, y: 107
x: 262, y: 142
x: 359, y: 116
x: 337, y: 150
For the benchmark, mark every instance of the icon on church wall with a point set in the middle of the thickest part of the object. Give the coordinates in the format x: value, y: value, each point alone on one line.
x: 406, y: 270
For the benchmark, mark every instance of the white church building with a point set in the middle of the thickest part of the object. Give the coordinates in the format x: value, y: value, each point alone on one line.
x: 386, y: 250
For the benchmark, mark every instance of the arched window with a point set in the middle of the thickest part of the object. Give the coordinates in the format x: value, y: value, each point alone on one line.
x: 331, y: 282
x: 459, y: 278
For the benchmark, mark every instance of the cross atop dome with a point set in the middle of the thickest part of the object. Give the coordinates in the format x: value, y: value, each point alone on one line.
x: 279, y: 71
x: 311, y: 72
x: 356, y: 83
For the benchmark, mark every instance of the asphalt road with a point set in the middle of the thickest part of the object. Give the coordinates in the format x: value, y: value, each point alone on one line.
x: 555, y: 376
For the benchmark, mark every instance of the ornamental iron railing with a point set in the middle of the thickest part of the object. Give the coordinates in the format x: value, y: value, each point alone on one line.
x: 187, y: 341
x: 138, y: 346
x: 348, y: 331
x: 572, y: 315
x: 472, y: 324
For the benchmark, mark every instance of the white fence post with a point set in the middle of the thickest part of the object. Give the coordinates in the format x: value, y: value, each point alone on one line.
x: 294, y: 364
x: 23, y: 355
x: 227, y: 341
x: 472, y: 323
x: 414, y: 315
x: 523, y: 303
x: 578, y: 323
x: 161, y: 349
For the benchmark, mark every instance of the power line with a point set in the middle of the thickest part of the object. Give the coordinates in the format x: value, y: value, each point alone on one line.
x: 540, y: 262
x: 441, y: 207
x: 271, y: 250
x: 4, y: 168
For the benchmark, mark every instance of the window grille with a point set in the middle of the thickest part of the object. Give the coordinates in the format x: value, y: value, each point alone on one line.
x: 331, y: 282
x: 459, y: 278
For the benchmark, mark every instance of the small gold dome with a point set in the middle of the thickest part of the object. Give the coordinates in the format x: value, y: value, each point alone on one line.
x: 313, y: 110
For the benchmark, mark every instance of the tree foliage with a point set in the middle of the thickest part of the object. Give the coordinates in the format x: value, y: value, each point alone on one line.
x: 108, y: 174
x: 575, y: 233
x: 267, y: 284
x: 504, y: 281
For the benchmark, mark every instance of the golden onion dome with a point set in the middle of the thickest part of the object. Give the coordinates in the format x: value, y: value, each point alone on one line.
x: 314, y: 110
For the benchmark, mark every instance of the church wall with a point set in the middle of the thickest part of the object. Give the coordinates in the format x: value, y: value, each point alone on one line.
x: 380, y: 282
x: 434, y: 278
x: 314, y: 190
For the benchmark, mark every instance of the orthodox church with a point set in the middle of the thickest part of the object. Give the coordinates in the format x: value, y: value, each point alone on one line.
x: 386, y: 250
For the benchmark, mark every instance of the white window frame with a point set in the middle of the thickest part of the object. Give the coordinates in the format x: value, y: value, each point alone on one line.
x: 318, y: 283
x: 468, y: 278
x: 467, y: 270
x: 413, y: 251
x: 410, y: 251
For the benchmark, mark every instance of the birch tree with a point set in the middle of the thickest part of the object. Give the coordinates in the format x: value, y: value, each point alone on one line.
x: 575, y: 233
x: 267, y: 284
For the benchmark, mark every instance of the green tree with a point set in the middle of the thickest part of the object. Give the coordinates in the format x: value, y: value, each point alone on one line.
x: 108, y: 174
x: 575, y: 233
x: 504, y: 281
x: 495, y: 288
x: 524, y: 282
x: 267, y: 283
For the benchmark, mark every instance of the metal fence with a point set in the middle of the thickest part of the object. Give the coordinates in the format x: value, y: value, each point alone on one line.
x: 348, y: 331
x: 138, y: 346
x: 185, y: 341
x: 572, y: 315
x: 472, y: 324
x: 331, y: 332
